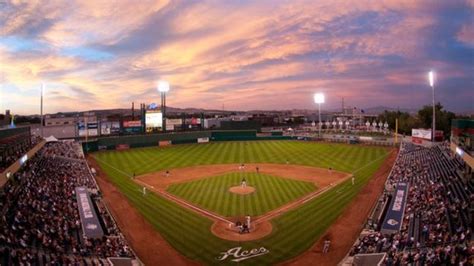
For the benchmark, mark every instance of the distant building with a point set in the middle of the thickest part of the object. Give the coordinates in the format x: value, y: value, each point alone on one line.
x: 59, y: 120
x: 5, y: 119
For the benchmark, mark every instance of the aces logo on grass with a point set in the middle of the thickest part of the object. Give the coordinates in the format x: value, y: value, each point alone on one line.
x: 237, y: 254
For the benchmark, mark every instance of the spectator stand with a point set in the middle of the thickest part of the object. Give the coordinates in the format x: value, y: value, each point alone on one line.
x: 25, y: 149
x: 40, y: 218
x: 438, y: 219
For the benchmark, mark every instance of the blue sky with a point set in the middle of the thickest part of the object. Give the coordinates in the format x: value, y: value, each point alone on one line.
x: 243, y: 54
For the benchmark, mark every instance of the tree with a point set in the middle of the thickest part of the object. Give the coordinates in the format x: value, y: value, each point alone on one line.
x: 443, y: 118
x: 27, y: 120
x: 405, y: 121
x: 423, y: 119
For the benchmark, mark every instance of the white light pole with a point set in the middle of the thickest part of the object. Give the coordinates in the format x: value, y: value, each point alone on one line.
x: 319, y: 99
x: 431, y: 80
x: 41, y: 107
x: 163, y: 88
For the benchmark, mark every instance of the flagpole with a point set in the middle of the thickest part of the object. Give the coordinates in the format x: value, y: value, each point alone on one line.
x: 41, y: 111
x: 396, y: 131
x: 87, y: 134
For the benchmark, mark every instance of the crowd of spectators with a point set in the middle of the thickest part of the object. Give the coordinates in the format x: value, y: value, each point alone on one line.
x: 11, y: 152
x: 40, y: 221
x: 438, y: 219
x: 65, y: 149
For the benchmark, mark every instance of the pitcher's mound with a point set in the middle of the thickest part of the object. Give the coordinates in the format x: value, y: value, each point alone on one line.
x: 242, y: 190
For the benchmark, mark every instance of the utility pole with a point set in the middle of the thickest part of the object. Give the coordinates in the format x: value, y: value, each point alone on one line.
x: 343, y: 110
x: 42, y: 122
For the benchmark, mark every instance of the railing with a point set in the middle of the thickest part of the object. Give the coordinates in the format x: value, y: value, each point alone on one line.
x: 12, y: 169
x: 112, y: 217
x: 373, y: 207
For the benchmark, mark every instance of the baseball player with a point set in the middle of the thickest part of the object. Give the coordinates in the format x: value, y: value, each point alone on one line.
x: 244, y: 183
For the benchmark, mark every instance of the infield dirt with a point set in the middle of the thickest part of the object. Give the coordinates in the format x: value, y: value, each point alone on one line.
x: 345, y: 230
x: 150, y: 246
x: 145, y: 240
x: 322, y: 178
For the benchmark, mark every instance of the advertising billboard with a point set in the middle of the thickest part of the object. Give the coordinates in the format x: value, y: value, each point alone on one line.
x: 132, y: 126
x: 108, y: 127
x: 81, y: 129
x: 134, y: 123
x: 105, y: 128
x: 115, y: 128
x: 173, y: 123
x: 91, y: 129
x: 202, y: 140
x: 153, y: 119
x: 421, y: 133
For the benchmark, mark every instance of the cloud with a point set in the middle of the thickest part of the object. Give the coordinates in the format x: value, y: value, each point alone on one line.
x: 244, y: 54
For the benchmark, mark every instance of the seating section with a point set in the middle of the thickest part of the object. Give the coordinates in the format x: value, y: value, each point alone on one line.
x: 438, y: 219
x: 40, y: 218
x: 12, y: 148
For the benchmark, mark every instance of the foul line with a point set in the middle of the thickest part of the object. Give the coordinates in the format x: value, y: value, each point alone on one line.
x: 268, y: 216
x: 381, y: 157
x: 125, y: 173
x: 169, y: 196
x: 298, y: 203
x: 183, y: 202
x: 311, y: 196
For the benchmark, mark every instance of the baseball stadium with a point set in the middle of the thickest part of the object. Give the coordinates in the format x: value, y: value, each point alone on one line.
x: 286, y: 133
x: 226, y: 197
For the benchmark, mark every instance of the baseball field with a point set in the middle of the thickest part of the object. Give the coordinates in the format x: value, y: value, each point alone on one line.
x: 299, y: 190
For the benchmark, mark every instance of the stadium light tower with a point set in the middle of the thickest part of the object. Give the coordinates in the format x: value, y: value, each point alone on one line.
x: 319, y: 99
x: 41, y: 109
x: 431, y: 80
x: 163, y: 88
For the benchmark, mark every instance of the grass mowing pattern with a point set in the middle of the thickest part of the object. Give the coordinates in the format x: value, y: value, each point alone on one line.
x: 213, y: 193
x: 342, y: 157
x: 294, y: 232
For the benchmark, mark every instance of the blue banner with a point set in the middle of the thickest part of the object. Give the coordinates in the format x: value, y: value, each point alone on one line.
x: 394, y: 217
x: 89, y: 220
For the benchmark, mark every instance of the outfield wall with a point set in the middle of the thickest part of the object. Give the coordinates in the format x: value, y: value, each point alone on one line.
x: 136, y: 141
x: 232, y: 135
x: 350, y: 139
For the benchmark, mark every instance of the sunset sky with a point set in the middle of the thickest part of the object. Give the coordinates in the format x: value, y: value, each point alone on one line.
x: 243, y: 54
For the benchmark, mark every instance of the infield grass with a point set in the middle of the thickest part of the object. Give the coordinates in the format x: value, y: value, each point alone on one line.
x: 293, y: 232
x: 213, y: 194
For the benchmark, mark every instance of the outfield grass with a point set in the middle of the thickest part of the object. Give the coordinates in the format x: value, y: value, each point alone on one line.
x: 213, y: 193
x: 294, y: 232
